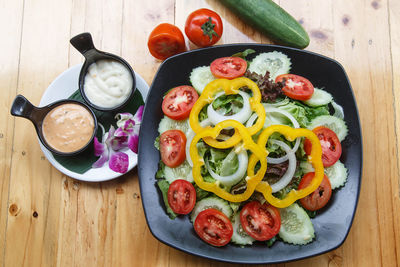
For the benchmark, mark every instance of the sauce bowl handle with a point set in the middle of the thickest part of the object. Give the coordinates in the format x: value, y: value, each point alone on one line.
x: 83, y: 43
x: 21, y: 107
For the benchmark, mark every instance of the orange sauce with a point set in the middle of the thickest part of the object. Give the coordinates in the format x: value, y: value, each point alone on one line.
x: 68, y: 127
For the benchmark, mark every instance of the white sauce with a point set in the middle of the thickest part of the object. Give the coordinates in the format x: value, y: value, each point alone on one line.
x: 108, y: 83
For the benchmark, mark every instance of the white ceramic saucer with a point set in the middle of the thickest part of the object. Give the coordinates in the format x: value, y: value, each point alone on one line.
x: 61, y: 88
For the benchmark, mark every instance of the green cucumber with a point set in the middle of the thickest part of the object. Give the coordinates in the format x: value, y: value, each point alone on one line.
x: 296, y: 227
x: 170, y: 124
x: 319, y: 98
x: 240, y: 237
x: 334, y: 123
x: 271, y: 20
x: 183, y: 171
x: 211, y: 202
x: 276, y: 63
x: 200, y: 77
x: 337, y: 174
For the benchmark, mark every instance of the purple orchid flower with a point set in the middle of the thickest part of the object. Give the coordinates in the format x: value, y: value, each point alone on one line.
x: 126, y: 135
x: 100, y: 150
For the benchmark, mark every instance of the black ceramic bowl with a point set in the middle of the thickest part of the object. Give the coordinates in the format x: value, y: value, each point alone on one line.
x: 84, y: 44
x: 21, y: 107
x: 331, y: 225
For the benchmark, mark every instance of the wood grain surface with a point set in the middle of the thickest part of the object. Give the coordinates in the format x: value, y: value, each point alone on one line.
x: 48, y: 219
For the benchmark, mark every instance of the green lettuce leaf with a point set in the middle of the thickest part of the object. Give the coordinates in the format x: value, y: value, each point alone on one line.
x: 302, y: 113
x: 200, y: 193
x: 223, y: 163
x: 228, y: 104
x: 163, y: 185
x: 160, y: 172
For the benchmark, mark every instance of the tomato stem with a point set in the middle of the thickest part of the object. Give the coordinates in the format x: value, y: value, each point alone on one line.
x: 208, y: 29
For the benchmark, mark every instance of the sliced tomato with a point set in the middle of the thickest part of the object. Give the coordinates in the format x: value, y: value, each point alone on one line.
x: 178, y: 103
x: 228, y: 67
x: 181, y: 196
x: 213, y: 227
x: 203, y: 27
x: 296, y: 87
x: 261, y: 222
x: 320, y: 197
x: 172, y: 148
x: 166, y: 40
x: 330, y: 144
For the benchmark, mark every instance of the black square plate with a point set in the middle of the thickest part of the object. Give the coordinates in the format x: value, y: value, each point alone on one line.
x: 331, y: 225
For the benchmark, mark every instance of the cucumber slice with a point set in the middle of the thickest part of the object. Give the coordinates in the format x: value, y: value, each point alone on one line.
x: 319, y: 98
x: 337, y: 174
x: 200, y: 77
x: 275, y: 62
x: 183, y: 171
x: 211, y: 202
x: 170, y: 124
x: 240, y: 237
x: 296, y: 226
x: 334, y: 123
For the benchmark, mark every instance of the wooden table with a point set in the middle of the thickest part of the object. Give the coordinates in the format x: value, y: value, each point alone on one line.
x: 49, y: 219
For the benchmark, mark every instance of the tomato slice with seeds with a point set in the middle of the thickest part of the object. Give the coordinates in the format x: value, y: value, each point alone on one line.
x: 320, y: 197
x: 178, y: 103
x: 172, y: 148
x: 228, y: 67
x: 261, y: 222
x: 296, y: 87
x: 330, y: 144
x: 213, y: 227
x: 181, y: 196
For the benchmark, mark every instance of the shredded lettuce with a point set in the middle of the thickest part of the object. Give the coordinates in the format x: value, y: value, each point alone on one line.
x: 302, y: 113
x: 222, y: 163
x: 203, y: 114
x: 164, y: 186
x: 228, y: 104
x: 160, y: 172
x: 244, y: 54
x: 200, y: 193
x: 157, y: 143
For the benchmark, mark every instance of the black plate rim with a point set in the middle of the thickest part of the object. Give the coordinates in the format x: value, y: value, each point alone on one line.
x: 278, y: 47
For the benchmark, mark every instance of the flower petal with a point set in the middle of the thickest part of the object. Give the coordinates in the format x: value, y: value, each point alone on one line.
x: 118, y: 143
x: 100, y: 162
x: 122, y: 117
x: 119, y: 162
x: 120, y: 132
x: 138, y: 115
x: 99, y: 148
x: 133, y: 142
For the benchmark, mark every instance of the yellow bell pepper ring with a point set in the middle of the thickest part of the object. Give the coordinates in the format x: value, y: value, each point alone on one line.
x: 229, y: 87
x: 252, y: 180
x: 314, y: 158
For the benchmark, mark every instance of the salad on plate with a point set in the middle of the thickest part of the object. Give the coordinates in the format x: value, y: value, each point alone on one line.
x: 250, y: 151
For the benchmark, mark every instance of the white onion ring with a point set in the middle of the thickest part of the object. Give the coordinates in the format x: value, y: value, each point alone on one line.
x: 235, y: 177
x: 189, y: 138
x: 295, y: 125
x: 338, y: 110
x: 287, y: 177
x: 251, y: 120
x: 242, y: 116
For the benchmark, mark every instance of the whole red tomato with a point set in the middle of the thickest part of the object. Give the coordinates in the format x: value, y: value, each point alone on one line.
x: 166, y: 40
x: 203, y: 27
